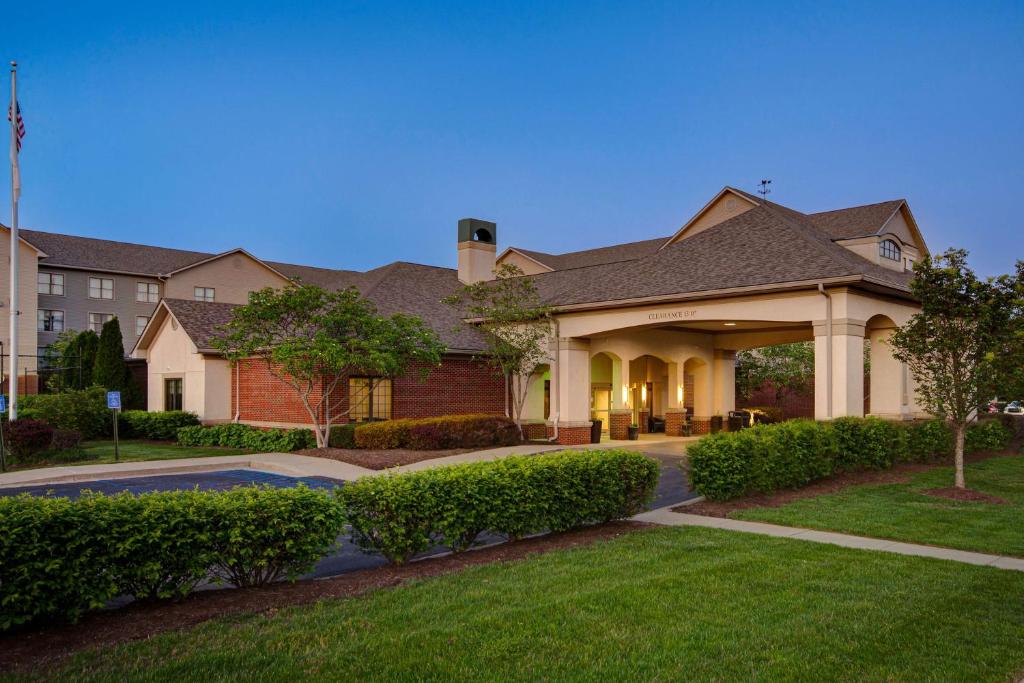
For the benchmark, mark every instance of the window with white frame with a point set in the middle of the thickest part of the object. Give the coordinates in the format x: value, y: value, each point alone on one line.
x: 140, y: 324
x: 50, y: 320
x: 101, y: 288
x: 97, y: 320
x: 203, y: 293
x: 147, y: 292
x: 50, y: 283
x: 890, y: 250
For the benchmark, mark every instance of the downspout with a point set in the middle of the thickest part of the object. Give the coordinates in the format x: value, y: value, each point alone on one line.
x: 506, y: 395
x: 238, y: 392
x: 558, y: 386
x: 828, y: 348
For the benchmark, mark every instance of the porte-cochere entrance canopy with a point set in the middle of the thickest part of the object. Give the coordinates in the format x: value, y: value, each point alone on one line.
x: 651, y: 329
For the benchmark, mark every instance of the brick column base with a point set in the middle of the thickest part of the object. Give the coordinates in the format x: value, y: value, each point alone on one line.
x: 700, y: 425
x: 643, y: 421
x: 619, y: 421
x: 675, y: 421
x: 535, y: 431
x: 571, y: 433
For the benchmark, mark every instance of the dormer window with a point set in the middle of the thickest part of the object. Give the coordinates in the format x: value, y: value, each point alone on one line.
x: 890, y: 250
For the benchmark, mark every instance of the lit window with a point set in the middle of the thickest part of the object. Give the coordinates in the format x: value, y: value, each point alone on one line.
x: 140, y: 324
x: 101, y: 288
x: 890, y: 250
x: 50, y: 283
x: 369, y: 398
x: 147, y: 292
x: 203, y: 293
x: 50, y: 321
x: 97, y: 320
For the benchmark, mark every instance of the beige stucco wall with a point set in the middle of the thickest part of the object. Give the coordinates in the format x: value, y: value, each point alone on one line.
x: 28, y: 267
x: 727, y: 206
x: 172, y: 354
x: 233, y: 277
x: 217, y: 389
x: 527, y: 265
x: 898, y: 226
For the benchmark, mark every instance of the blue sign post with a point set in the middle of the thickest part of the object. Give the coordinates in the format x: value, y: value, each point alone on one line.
x: 114, y: 403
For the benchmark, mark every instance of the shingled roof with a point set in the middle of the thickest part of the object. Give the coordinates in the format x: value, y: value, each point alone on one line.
x: 595, y: 257
x: 856, y: 221
x: 201, y: 320
x: 90, y: 253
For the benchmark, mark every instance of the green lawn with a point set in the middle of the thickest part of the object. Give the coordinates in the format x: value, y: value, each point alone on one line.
x: 902, y: 512
x: 103, y: 452
x: 664, y: 604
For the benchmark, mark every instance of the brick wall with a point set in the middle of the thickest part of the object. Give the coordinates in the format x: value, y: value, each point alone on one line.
x: 460, y: 385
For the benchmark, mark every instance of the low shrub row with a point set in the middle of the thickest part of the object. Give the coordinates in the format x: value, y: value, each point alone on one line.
x: 433, y: 433
x: 61, y: 557
x: 32, y: 441
x: 244, y: 436
x: 82, y: 411
x: 141, y: 424
x: 405, y: 514
x: 791, y: 454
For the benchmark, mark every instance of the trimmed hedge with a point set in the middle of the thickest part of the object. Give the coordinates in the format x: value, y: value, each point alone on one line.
x: 791, y: 454
x: 342, y: 436
x: 60, y: 558
x: 405, y: 514
x: 244, y: 436
x: 83, y: 411
x: 163, y: 425
x: 435, y: 433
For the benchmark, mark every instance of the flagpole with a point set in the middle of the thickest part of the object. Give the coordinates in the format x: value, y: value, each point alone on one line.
x: 12, y: 384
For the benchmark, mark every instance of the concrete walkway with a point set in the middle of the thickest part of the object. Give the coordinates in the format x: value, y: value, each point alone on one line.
x: 667, y: 517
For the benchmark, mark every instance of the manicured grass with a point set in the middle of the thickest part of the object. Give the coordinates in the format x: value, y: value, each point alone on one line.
x: 902, y: 512
x: 664, y: 604
x: 102, y: 452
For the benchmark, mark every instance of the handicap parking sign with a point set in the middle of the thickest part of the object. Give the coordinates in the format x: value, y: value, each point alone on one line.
x: 114, y: 400
x: 3, y: 403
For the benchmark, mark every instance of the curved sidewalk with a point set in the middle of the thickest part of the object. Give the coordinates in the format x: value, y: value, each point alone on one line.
x: 667, y: 517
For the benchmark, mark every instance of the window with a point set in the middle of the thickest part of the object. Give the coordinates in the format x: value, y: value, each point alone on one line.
x: 147, y: 292
x: 50, y: 321
x: 101, y: 288
x: 96, y: 321
x: 50, y: 283
x: 140, y: 324
x: 890, y: 250
x: 172, y: 394
x: 369, y: 398
x: 203, y: 293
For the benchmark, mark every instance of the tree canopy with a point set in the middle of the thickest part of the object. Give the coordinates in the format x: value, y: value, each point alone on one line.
x: 311, y: 338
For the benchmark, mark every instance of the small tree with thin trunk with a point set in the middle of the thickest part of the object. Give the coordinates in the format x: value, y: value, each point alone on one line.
x: 516, y: 327
x: 311, y: 339
x: 950, y: 345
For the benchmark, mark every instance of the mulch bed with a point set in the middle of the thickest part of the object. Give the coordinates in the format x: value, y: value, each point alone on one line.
x: 47, y: 646
x: 380, y: 459
x: 953, y: 493
x: 900, y: 474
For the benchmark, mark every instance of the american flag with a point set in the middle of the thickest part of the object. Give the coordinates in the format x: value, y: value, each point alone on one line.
x: 21, y: 123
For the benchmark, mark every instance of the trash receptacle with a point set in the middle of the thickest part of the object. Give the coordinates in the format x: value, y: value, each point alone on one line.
x: 738, y: 419
x: 595, y: 431
x: 716, y: 424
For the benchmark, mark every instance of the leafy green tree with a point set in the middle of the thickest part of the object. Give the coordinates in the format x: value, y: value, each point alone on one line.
x: 951, y: 346
x: 311, y: 339
x: 88, y: 343
x: 786, y: 367
x: 110, y: 370
x: 1009, y: 360
x: 516, y: 327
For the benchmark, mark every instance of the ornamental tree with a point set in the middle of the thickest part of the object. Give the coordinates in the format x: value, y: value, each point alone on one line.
x: 950, y: 346
x: 516, y: 327
x: 311, y: 339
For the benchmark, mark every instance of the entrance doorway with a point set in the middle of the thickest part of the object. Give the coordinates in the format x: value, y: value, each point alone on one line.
x: 601, y: 404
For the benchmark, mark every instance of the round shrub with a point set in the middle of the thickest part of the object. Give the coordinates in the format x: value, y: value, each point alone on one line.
x: 159, y: 426
x: 28, y: 438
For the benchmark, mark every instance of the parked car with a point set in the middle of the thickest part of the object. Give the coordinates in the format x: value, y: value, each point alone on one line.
x: 995, y: 407
x: 1014, y: 408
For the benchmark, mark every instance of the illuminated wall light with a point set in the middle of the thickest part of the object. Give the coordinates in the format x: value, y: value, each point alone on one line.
x: 679, y: 394
x: 643, y: 393
x: 625, y: 395
x: 730, y: 324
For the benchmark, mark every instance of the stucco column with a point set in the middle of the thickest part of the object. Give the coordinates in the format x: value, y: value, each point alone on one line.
x: 573, y: 390
x: 723, y: 382
x: 889, y: 391
x: 620, y: 384
x: 674, y: 382
x: 847, y: 371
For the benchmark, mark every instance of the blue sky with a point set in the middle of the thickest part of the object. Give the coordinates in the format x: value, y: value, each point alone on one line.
x: 353, y: 135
